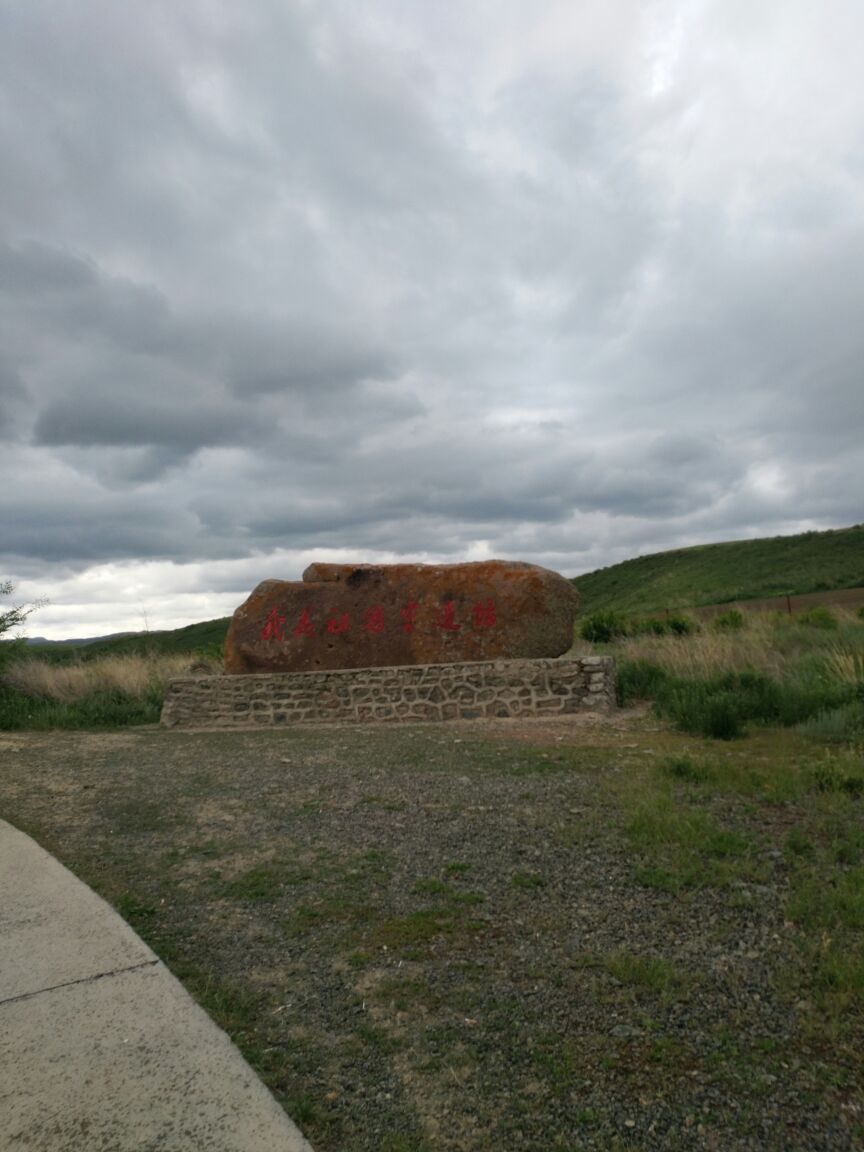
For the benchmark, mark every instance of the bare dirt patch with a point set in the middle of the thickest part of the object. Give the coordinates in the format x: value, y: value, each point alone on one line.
x: 447, y: 938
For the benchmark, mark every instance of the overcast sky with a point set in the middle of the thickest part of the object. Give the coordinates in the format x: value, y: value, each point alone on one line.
x: 281, y: 281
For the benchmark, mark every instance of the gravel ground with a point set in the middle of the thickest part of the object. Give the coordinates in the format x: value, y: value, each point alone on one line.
x: 435, y: 938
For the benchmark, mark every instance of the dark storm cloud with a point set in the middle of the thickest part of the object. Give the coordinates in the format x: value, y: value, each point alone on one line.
x: 133, y: 420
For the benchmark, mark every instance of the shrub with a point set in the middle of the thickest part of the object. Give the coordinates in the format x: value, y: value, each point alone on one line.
x: 639, y: 680
x: 843, y: 723
x: 818, y: 617
x: 730, y: 621
x: 682, y: 625
x: 649, y: 626
x: 834, y: 775
x: 860, y: 612
x: 720, y: 706
x: 604, y: 626
x: 702, y: 709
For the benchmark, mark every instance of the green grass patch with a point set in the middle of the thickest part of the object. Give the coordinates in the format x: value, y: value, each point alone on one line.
x: 722, y: 706
x: 682, y: 846
x: 651, y: 973
x: 265, y: 882
x: 527, y: 880
x: 19, y: 712
x: 830, y: 905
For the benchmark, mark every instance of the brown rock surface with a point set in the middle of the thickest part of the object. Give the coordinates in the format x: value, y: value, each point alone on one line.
x: 366, y: 616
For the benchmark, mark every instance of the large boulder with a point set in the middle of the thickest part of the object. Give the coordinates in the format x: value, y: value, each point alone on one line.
x: 363, y: 615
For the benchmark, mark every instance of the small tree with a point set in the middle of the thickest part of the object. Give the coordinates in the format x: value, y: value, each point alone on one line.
x: 12, y: 617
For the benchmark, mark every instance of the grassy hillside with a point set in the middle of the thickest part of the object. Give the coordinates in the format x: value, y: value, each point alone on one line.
x: 720, y: 573
x: 193, y: 637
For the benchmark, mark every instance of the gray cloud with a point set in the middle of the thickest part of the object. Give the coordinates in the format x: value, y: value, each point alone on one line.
x: 279, y: 278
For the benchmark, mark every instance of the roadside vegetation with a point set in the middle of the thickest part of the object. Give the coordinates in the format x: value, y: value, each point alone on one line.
x: 740, y: 669
x: 109, y: 692
x: 104, y: 684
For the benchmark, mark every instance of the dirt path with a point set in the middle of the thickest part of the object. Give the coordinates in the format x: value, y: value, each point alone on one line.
x: 442, y: 937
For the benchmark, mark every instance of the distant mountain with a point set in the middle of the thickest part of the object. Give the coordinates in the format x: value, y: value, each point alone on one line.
x: 723, y: 573
x: 41, y: 640
x: 208, y: 634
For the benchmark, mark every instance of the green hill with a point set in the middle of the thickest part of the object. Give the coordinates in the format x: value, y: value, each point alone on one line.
x: 207, y: 634
x: 721, y: 573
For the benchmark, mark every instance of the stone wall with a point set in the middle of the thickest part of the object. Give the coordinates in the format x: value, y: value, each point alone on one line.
x: 411, y: 693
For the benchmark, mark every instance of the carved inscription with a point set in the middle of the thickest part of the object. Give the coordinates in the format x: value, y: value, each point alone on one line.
x: 373, y: 616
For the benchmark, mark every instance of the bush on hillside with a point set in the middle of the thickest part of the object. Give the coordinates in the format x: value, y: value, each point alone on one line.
x: 729, y: 621
x: 682, y: 625
x: 639, y: 680
x: 818, y: 617
x: 670, y: 625
x: 604, y: 627
x: 649, y: 626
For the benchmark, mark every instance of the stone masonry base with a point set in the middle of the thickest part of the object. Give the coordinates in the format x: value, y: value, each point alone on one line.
x: 412, y: 693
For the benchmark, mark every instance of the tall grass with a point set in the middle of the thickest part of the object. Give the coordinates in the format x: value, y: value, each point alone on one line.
x: 109, y: 692
x: 767, y: 642
x: 769, y: 669
x: 132, y: 676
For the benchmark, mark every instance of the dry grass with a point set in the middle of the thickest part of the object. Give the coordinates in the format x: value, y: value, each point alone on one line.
x: 134, y: 676
x: 708, y: 653
x: 769, y: 643
x: 846, y: 665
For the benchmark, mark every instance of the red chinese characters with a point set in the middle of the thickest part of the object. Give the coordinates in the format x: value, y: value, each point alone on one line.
x: 373, y: 619
x: 304, y: 626
x: 447, y: 616
x: 272, y: 629
x: 484, y: 614
x: 409, y: 615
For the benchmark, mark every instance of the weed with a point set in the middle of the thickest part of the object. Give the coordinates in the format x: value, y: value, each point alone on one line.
x: 263, y: 883
x: 818, y: 617
x: 403, y: 992
x: 639, y: 680
x: 839, y: 725
x: 682, y: 846
x: 303, y: 1110
x: 432, y: 888
x: 467, y: 898
x: 846, y: 664
x: 730, y: 621
x: 833, y: 906
x: 685, y: 769
x: 797, y: 844
x: 838, y: 775
x: 132, y: 909
x: 527, y: 880
x: 652, y: 973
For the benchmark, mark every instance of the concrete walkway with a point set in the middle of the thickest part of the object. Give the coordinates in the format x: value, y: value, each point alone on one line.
x: 101, y: 1049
